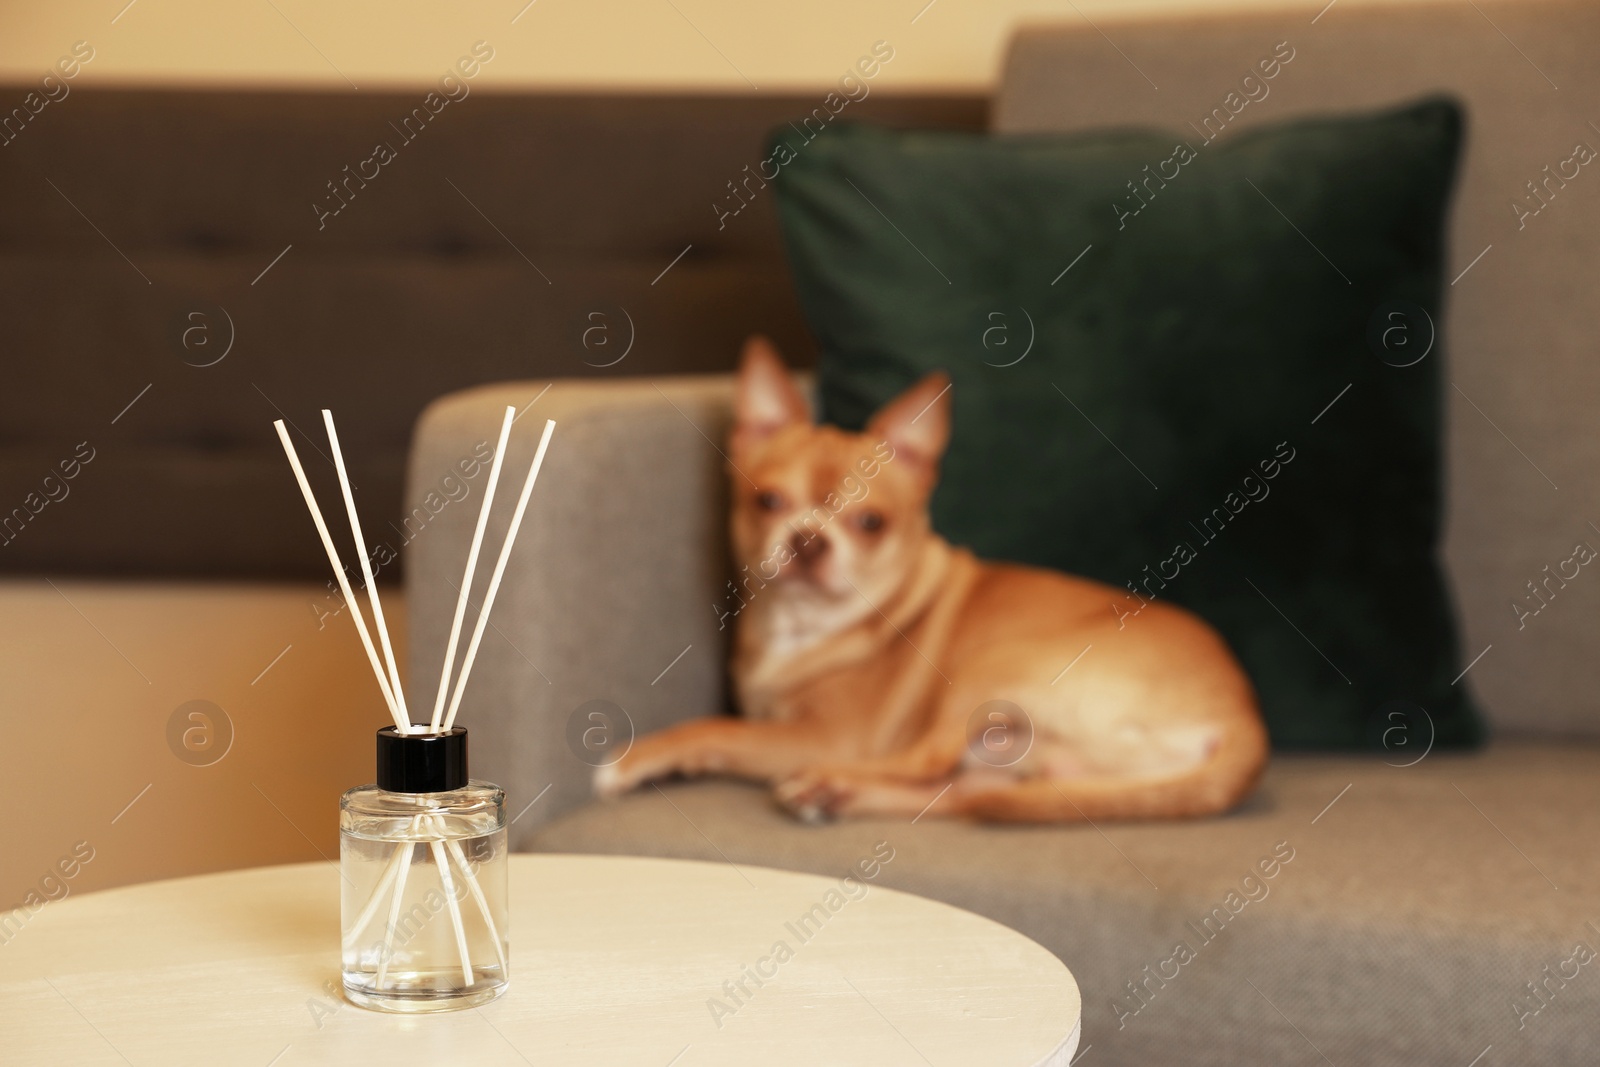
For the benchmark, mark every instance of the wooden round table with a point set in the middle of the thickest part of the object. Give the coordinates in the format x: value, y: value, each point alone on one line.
x: 615, y: 961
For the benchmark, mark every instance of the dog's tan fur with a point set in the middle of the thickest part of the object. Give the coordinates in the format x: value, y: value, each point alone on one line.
x: 864, y: 668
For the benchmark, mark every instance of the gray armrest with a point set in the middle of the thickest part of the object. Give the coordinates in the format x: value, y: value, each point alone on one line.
x: 620, y: 560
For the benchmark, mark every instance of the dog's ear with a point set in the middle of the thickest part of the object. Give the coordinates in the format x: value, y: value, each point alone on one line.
x: 765, y: 397
x: 917, y: 423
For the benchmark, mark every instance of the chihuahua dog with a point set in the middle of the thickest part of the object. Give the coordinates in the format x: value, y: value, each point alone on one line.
x: 882, y: 671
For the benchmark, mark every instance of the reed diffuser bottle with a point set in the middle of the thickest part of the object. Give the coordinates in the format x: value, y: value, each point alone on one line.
x: 422, y: 853
x: 423, y: 858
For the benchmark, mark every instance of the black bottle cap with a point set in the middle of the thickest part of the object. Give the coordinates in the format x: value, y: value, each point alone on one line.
x: 422, y: 763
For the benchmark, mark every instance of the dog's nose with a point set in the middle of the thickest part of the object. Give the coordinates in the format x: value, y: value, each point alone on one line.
x: 809, y: 549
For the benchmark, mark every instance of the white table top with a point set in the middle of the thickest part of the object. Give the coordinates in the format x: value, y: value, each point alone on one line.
x: 615, y: 961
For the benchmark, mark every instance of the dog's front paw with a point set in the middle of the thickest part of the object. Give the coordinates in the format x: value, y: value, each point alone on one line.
x: 812, y: 797
x: 609, y: 782
x: 647, y: 758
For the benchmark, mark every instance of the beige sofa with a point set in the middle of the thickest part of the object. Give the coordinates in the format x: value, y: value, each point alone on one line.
x: 1423, y: 907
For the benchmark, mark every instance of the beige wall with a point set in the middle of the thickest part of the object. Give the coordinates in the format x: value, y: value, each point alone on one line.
x: 633, y: 44
x: 92, y: 673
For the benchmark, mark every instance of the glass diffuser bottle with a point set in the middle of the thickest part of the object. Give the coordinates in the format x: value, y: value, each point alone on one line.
x: 424, y: 861
x: 422, y: 853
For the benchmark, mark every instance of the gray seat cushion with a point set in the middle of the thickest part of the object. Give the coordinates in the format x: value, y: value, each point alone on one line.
x: 1401, y: 931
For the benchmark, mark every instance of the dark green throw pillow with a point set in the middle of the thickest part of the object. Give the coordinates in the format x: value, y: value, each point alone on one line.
x: 1200, y: 372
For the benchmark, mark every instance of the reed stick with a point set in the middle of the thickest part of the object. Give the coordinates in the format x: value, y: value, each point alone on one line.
x: 390, y: 871
x: 366, y: 573
x: 472, y: 566
x: 442, y: 861
x: 454, y: 848
x: 394, y: 912
x: 499, y: 572
x: 343, y: 579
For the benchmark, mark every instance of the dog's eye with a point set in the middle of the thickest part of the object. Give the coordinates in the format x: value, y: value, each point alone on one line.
x: 769, y: 501
x: 871, y: 521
